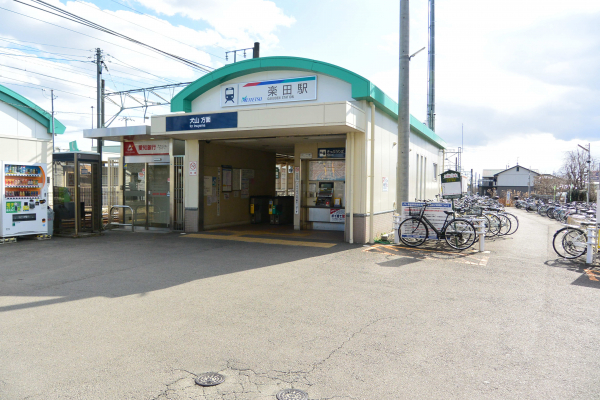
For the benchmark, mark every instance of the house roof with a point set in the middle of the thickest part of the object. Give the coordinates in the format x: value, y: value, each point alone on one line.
x: 31, y: 109
x: 490, y: 172
x: 520, y: 166
x: 362, y: 89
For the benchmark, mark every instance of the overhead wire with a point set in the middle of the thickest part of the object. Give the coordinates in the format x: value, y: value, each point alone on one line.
x: 148, y: 29
x: 54, y: 10
x: 71, y: 30
x: 46, y: 87
x: 48, y: 76
x: 44, y: 44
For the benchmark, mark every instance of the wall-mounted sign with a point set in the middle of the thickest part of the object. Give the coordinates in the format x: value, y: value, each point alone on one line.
x: 385, y: 184
x: 337, y: 215
x: 192, y: 122
x: 193, y: 168
x: 332, y: 152
x: 305, y: 156
x: 146, y: 148
x: 451, y: 185
x: 272, y: 91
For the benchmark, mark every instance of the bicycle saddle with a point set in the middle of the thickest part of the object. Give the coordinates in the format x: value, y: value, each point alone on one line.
x: 448, y: 212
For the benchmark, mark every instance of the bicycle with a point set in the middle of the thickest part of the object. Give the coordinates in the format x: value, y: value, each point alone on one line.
x: 459, y: 233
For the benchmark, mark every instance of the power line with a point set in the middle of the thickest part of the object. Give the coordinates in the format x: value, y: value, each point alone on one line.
x: 45, y: 58
x: 36, y: 49
x: 71, y: 30
x: 75, y: 18
x: 53, y: 77
x: 45, y: 87
x: 148, y: 29
x: 44, y: 44
x: 124, y: 64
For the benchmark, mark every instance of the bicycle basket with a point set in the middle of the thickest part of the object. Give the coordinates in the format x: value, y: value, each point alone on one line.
x: 415, y: 211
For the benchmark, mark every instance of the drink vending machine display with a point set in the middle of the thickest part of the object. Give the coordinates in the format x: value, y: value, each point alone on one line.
x: 24, y: 189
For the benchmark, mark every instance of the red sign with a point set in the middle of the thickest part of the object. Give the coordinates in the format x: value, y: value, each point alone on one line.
x: 146, y: 148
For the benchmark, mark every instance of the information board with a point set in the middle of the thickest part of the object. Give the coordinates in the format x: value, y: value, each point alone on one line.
x: 434, y: 213
x: 327, y: 171
x: 451, y: 185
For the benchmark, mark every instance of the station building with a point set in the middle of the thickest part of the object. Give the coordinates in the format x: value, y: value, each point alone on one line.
x: 26, y: 131
x: 316, y: 139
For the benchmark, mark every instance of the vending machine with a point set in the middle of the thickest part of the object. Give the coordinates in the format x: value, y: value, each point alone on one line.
x: 24, y: 189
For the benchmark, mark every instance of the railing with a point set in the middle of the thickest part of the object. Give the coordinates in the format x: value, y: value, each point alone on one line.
x: 133, y: 214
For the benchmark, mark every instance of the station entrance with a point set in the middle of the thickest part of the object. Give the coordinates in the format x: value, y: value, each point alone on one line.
x: 277, y: 185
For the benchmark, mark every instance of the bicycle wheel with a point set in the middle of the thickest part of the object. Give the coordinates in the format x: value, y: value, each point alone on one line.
x: 460, y: 234
x: 514, y: 223
x: 413, y: 232
x: 504, y: 225
x: 494, y: 225
x: 570, y: 242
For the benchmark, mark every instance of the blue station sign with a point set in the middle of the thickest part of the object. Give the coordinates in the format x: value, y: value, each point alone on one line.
x: 332, y: 152
x: 193, y: 122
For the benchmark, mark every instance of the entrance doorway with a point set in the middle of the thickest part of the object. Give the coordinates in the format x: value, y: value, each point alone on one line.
x: 147, y: 191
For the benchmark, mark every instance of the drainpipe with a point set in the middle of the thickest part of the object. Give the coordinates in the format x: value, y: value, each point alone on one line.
x: 350, y: 162
x: 372, y: 189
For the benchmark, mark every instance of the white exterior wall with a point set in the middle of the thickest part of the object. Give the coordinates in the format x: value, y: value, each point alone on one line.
x: 386, y: 157
x: 24, y: 140
x: 512, y: 177
x: 328, y: 90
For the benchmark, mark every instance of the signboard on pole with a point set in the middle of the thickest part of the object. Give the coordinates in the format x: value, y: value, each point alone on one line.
x: 451, y: 185
x: 434, y: 213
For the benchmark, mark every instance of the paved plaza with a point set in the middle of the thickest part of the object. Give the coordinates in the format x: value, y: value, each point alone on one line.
x: 139, y: 315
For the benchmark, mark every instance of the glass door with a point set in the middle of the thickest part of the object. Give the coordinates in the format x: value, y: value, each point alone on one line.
x: 135, y: 192
x: 159, y: 196
x: 87, y: 186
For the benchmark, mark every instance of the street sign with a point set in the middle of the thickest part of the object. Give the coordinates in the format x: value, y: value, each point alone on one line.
x: 451, y: 185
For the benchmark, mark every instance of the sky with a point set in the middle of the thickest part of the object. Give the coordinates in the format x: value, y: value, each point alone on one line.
x: 516, y: 80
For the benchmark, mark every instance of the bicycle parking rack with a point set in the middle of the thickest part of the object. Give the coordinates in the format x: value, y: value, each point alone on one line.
x: 481, y: 233
x: 133, y: 216
x: 592, y: 240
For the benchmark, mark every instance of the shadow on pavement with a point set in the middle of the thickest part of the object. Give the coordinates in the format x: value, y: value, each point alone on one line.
x: 590, y: 273
x: 122, y: 263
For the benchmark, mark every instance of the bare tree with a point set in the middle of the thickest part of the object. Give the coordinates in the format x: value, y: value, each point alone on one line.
x: 575, y: 168
x: 547, y: 184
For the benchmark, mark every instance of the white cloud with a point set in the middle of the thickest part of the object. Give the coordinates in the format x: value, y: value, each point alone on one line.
x: 238, y: 20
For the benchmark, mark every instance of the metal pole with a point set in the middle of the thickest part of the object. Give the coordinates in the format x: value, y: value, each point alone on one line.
x: 589, y: 173
x: 431, y: 81
x: 99, y: 124
x: 402, y: 169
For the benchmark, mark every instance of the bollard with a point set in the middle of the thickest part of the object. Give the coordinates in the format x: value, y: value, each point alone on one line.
x: 481, y: 233
x: 591, y: 230
x: 396, y: 225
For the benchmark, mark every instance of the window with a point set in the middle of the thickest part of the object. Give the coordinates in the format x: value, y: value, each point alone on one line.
x: 435, y: 172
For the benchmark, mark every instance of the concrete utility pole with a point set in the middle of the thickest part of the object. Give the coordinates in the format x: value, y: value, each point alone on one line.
x: 431, y: 80
x: 99, y: 124
x: 402, y: 169
x: 52, y: 98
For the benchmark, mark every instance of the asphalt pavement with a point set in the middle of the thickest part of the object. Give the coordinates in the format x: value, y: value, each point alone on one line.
x: 140, y: 315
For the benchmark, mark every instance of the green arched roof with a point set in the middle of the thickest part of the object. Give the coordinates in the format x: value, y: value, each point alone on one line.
x: 28, y: 107
x: 362, y: 88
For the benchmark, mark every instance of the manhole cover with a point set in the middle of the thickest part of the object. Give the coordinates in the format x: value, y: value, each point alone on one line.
x: 209, y: 379
x: 292, y: 394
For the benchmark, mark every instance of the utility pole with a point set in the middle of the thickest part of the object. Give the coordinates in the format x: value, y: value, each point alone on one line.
x: 402, y: 169
x: 589, y: 163
x: 431, y: 80
x: 52, y: 98
x: 99, y: 124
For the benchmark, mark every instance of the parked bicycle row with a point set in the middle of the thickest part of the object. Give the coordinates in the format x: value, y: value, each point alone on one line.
x: 460, y: 226
x: 556, y: 210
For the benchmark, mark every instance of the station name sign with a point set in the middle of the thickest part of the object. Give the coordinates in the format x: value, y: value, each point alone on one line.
x: 192, y: 122
x: 266, y: 92
x: 451, y: 185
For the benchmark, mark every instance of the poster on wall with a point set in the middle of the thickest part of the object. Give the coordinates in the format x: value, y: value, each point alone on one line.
x: 327, y: 171
x: 208, y: 185
x: 297, y: 190
x: 385, y: 182
x: 227, y: 178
